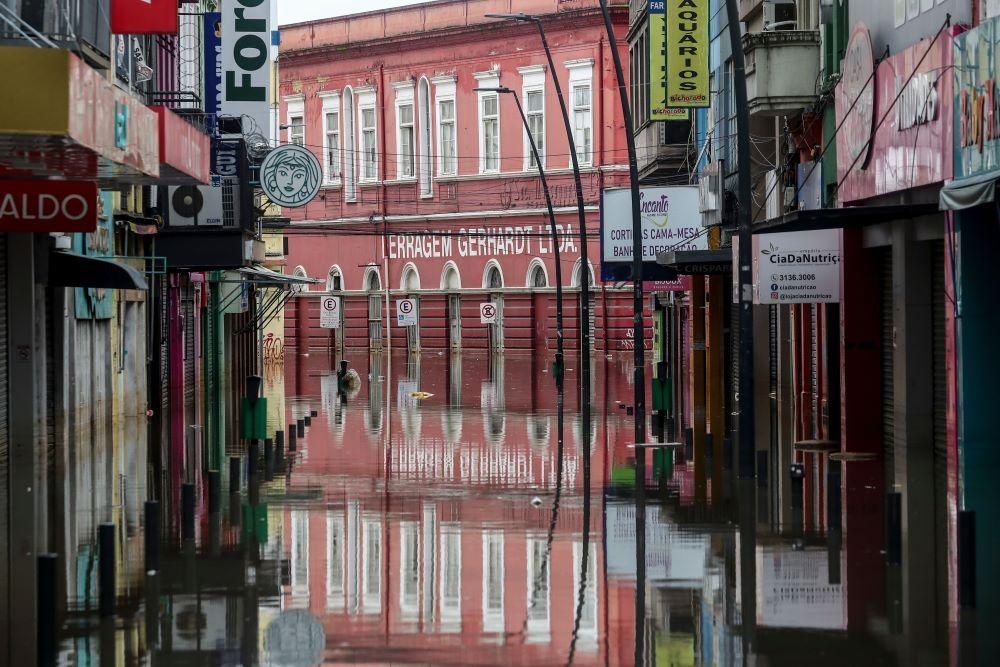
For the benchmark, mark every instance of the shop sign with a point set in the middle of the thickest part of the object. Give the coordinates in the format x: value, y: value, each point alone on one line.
x: 658, y: 109
x: 910, y: 148
x: 670, y: 219
x: 977, y: 100
x: 488, y: 313
x: 857, y: 88
x: 48, y: 206
x: 139, y: 17
x: 329, y: 312
x: 686, y: 46
x: 290, y: 176
x: 682, y: 284
x: 797, y: 267
x: 212, y: 45
x: 96, y: 302
x: 246, y: 39
x: 516, y: 240
x: 183, y: 147
x: 406, y: 312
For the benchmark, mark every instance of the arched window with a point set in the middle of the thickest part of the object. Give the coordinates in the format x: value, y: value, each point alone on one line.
x: 410, y: 281
x: 300, y: 272
x: 492, y: 276
x: 334, y: 279
x: 424, y: 129
x: 350, y: 155
x: 450, y: 278
x: 576, y: 274
x: 537, y: 276
x: 372, y: 281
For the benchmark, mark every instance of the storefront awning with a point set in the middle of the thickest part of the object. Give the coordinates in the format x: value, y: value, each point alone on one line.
x: 846, y: 217
x: 261, y: 276
x: 964, y: 193
x: 69, y: 269
x: 697, y: 262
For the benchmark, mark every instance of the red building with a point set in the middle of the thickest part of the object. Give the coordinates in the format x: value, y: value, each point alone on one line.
x: 429, y: 187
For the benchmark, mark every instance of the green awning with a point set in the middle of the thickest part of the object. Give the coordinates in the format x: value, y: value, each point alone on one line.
x: 965, y: 193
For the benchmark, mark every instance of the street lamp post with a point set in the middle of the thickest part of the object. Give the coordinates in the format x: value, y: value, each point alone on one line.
x: 584, y: 262
x: 552, y: 225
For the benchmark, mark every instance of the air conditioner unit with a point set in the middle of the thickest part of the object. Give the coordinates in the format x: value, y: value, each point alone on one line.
x: 204, y: 205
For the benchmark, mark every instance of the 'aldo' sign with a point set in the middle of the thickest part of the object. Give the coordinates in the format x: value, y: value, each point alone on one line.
x: 48, y: 206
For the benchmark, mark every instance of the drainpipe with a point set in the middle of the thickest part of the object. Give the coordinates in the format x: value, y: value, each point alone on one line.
x: 385, y: 223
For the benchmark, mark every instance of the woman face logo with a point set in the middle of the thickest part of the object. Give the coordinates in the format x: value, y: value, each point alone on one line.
x: 290, y: 175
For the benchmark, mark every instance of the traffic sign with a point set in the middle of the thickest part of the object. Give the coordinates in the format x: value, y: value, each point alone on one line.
x: 488, y: 313
x: 406, y: 312
x: 329, y: 312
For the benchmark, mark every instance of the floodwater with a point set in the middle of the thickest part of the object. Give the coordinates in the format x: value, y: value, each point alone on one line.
x: 440, y: 513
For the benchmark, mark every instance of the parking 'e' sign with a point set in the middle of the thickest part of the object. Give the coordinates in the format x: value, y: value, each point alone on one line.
x: 329, y: 312
x: 406, y: 312
x: 488, y: 313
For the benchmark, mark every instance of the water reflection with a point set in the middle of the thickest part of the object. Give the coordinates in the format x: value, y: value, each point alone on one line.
x: 493, y: 523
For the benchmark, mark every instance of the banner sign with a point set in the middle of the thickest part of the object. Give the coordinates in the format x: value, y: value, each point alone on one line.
x: 797, y: 267
x: 977, y: 100
x: 488, y: 313
x: 670, y: 221
x: 212, y: 55
x: 48, y: 206
x: 329, y: 312
x: 246, y: 39
x: 143, y: 17
x: 406, y: 312
x: 687, y: 44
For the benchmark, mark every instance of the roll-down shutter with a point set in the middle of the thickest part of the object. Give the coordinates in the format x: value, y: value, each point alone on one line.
x: 885, y: 311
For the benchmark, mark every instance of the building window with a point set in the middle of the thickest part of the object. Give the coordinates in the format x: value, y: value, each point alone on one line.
x: 490, y: 113
x: 296, y: 130
x: 406, y: 148
x: 534, y: 110
x: 424, y: 127
x: 369, y: 146
x: 350, y: 155
x: 582, y: 122
x: 446, y: 130
x: 332, y: 146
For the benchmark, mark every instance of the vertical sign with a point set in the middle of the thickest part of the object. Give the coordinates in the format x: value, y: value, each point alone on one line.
x: 329, y: 312
x: 212, y: 55
x: 406, y: 312
x: 658, y: 109
x: 246, y: 39
x: 797, y: 267
x: 687, y: 53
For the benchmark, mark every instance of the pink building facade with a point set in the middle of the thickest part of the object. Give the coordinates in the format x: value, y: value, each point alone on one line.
x: 429, y: 189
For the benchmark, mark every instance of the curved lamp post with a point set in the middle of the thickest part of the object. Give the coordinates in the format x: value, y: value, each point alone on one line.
x: 503, y: 90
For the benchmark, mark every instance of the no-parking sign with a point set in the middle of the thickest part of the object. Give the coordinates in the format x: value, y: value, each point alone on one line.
x: 329, y: 312
x: 406, y: 312
x: 488, y: 313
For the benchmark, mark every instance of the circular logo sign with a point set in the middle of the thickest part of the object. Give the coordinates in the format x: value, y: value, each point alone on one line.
x: 290, y: 175
x: 329, y: 303
x: 405, y: 307
x: 858, y: 88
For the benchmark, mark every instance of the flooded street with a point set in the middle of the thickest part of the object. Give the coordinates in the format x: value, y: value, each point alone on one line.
x: 438, y: 514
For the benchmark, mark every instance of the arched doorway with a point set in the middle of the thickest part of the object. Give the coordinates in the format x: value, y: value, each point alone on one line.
x: 373, y: 285
x: 451, y: 283
x: 493, y: 281
x: 410, y: 285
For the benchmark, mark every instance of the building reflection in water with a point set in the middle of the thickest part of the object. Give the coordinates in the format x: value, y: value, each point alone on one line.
x: 408, y: 528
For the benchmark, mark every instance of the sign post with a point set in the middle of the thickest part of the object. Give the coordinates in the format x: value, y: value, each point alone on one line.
x: 329, y: 312
x: 406, y: 312
x: 488, y: 313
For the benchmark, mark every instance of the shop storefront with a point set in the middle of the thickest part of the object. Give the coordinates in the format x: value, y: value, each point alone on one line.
x: 972, y: 248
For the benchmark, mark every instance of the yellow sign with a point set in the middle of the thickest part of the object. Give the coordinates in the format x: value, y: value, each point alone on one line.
x: 687, y: 53
x: 658, y: 109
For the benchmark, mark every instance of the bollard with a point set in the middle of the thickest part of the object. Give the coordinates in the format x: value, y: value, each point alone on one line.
x: 151, y: 535
x: 152, y: 591
x: 894, y: 528
x: 106, y: 576
x: 308, y: 420
x: 234, y: 474
x: 268, y: 460
x: 252, y: 454
x: 727, y: 454
x: 279, y: 451
x: 797, y: 471
x: 688, y: 444
x: 762, y: 469
x: 313, y: 413
x: 187, y: 511
x: 292, y: 434
x: 301, y: 424
x: 967, y: 559
x: 709, y: 450
x: 279, y: 440
x: 214, y: 487
x: 47, y: 578
x: 833, y: 511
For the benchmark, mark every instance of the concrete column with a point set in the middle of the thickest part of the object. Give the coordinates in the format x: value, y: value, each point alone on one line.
x: 25, y: 358
x: 914, y: 427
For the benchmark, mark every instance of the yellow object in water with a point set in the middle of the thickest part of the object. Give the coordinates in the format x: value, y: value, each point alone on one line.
x: 420, y: 394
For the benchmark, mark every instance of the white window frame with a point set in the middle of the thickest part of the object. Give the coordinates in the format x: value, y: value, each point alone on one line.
x: 489, y: 79
x: 366, y: 101
x: 404, y: 97
x: 349, y: 139
x: 581, y: 72
x: 295, y: 108
x: 444, y: 91
x: 533, y: 81
x: 424, y: 116
x: 331, y: 104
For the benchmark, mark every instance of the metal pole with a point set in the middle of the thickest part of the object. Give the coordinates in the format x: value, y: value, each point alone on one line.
x: 746, y: 383
x: 640, y: 344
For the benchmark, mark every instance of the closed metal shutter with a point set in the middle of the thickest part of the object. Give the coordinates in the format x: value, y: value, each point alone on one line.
x: 211, y: 372
x: 4, y: 439
x: 187, y: 313
x: 939, y: 392
x: 885, y: 315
